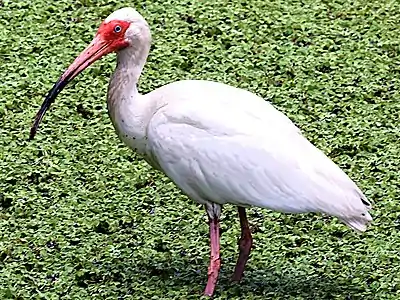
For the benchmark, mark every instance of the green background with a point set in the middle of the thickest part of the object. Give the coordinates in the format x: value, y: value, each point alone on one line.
x: 82, y: 217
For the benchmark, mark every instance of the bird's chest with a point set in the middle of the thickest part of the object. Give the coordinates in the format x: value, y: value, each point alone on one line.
x: 134, y: 139
x: 130, y: 127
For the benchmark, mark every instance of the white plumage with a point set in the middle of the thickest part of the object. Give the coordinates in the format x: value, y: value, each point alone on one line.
x: 217, y: 143
x: 226, y: 145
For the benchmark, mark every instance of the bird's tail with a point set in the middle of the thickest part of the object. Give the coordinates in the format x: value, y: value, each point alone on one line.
x: 360, y: 221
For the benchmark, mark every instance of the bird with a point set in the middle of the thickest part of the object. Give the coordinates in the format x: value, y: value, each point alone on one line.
x: 217, y: 143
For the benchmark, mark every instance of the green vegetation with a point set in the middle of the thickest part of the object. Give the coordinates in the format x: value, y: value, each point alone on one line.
x: 82, y: 217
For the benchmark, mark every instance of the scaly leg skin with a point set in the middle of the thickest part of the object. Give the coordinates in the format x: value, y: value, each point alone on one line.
x: 213, y: 212
x: 245, y: 243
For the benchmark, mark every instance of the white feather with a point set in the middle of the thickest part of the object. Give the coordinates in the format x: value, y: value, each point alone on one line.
x: 221, y: 144
x: 226, y: 145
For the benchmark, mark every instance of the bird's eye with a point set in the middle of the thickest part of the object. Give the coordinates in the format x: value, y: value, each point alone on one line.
x: 117, y: 29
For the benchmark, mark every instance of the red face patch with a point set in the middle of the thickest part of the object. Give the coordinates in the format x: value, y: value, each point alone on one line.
x: 114, y: 33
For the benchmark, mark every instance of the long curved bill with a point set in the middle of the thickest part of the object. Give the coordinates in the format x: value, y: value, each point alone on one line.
x: 96, y: 49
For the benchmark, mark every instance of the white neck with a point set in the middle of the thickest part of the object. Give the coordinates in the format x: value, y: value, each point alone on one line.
x: 129, y: 111
x: 130, y: 63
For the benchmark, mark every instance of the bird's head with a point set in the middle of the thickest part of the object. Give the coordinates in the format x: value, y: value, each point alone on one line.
x: 122, y: 29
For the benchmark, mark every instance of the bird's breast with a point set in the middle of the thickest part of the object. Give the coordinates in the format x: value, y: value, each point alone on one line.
x: 132, y: 139
x: 130, y: 127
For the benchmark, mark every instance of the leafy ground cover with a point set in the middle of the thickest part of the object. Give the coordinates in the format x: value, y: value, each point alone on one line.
x: 82, y: 217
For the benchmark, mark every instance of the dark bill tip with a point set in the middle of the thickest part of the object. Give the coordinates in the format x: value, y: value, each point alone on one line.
x: 51, y: 96
x: 96, y: 49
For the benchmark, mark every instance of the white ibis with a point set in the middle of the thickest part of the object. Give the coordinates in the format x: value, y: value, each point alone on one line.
x: 217, y: 143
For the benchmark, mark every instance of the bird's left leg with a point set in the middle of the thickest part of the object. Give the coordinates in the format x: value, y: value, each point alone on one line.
x: 214, y: 212
x: 245, y: 243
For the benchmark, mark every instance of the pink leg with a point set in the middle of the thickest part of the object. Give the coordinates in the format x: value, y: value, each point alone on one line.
x: 215, y: 262
x: 245, y: 243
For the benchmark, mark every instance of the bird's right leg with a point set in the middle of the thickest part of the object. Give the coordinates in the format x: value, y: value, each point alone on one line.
x: 245, y: 243
x: 214, y: 212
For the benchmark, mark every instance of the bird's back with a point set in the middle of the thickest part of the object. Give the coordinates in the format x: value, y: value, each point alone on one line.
x: 235, y: 102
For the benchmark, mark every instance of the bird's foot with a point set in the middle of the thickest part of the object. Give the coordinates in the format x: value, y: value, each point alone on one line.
x: 213, y: 271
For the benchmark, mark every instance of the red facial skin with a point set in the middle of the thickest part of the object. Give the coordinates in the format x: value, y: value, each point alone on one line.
x: 108, y: 33
x: 109, y: 38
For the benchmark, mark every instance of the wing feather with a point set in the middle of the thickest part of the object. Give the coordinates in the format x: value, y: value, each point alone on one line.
x: 250, y: 157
